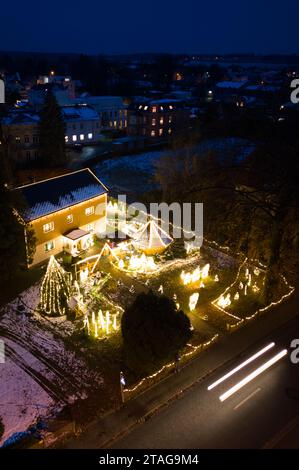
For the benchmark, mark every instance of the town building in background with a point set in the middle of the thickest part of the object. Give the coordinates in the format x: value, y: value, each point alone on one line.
x: 157, y: 119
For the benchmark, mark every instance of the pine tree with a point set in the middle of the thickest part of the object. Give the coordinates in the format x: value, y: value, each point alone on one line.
x: 55, y: 290
x: 52, y: 133
x: 12, y: 227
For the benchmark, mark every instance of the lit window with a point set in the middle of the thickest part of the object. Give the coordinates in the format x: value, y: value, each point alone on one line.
x: 81, y: 136
x: 154, y: 109
x: 90, y: 135
x: 169, y: 131
x: 153, y: 133
x: 161, y: 120
x: 48, y: 227
x: 160, y: 131
x: 74, y: 138
x: 69, y: 218
x: 115, y: 123
x: 90, y: 227
x: 170, y: 119
x: 49, y: 246
x: 89, y: 210
x: 153, y: 122
x: 18, y: 140
x: 145, y: 108
x: 66, y: 139
x: 161, y: 107
x: 170, y: 107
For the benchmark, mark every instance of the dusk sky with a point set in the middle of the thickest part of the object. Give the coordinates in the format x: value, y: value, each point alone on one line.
x: 119, y: 26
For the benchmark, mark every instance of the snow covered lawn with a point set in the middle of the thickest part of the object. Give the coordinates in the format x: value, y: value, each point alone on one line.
x: 40, y: 375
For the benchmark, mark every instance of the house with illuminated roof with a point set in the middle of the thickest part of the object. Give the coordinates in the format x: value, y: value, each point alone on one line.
x: 65, y: 212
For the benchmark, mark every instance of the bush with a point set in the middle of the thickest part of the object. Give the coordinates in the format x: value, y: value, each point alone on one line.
x: 153, y: 332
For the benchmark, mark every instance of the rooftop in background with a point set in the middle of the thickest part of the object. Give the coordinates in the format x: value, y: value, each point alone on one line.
x: 232, y: 84
x: 54, y: 194
x: 79, y: 113
x: 20, y: 117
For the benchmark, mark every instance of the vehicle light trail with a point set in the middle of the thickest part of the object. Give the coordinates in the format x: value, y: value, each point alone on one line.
x: 239, y: 367
x: 253, y: 375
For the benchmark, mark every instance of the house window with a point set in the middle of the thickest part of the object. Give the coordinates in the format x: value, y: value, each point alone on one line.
x: 81, y: 126
x: 48, y: 227
x: 115, y: 123
x: 89, y: 210
x: 74, y: 127
x: 90, y: 135
x: 81, y: 136
x: 154, y: 109
x: 66, y: 138
x: 26, y: 139
x: 153, y: 122
x: 170, y: 119
x: 90, y: 227
x: 69, y: 218
x: 161, y: 120
x: 169, y: 131
x: 74, y: 138
x: 160, y: 131
x: 153, y: 133
x: 49, y: 246
x: 28, y: 155
x: 18, y: 140
x: 35, y: 139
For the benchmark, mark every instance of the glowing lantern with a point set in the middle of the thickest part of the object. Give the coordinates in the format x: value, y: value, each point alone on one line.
x: 121, y: 264
x: 107, y: 322
x: 224, y: 301
x: 205, y: 271
x: 193, y: 301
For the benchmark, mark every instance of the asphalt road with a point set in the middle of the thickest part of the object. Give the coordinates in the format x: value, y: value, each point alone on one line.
x: 250, y: 418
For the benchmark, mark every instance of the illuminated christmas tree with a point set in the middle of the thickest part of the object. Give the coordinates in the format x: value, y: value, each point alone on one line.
x: 55, y: 290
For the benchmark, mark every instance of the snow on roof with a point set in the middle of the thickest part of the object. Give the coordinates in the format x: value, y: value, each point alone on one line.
x: 54, y: 194
x: 71, y: 113
x: 231, y: 84
x: 267, y: 88
x: 21, y: 118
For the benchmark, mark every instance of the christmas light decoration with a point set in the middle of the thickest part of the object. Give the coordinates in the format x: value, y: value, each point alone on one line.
x: 224, y: 301
x: 196, y: 275
x: 193, y: 299
x: 55, y: 289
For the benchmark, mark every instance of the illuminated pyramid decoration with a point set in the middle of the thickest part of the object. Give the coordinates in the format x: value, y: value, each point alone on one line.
x: 151, y: 239
x: 55, y: 290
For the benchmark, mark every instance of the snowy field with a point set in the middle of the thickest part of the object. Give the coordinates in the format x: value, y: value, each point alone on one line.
x: 135, y: 173
x: 39, y: 375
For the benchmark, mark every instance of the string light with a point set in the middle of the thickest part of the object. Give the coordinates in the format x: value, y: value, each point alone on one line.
x: 55, y: 290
